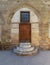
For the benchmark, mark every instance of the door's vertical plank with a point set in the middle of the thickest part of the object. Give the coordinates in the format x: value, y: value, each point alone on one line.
x: 25, y: 32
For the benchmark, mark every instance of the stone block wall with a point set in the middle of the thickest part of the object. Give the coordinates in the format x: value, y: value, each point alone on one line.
x: 15, y: 33
x: 39, y: 32
x: 35, y: 34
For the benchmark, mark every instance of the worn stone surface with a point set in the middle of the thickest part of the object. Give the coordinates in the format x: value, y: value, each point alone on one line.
x: 40, y: 36
x: 8, y: 58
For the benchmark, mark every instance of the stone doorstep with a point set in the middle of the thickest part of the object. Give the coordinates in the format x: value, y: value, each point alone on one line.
x: 25, y: 46
x: 25, y: 50
x: 34, y: 52
x: 21, y: 49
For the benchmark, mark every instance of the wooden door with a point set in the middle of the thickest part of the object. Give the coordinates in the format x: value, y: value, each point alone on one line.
x: 24, y: 32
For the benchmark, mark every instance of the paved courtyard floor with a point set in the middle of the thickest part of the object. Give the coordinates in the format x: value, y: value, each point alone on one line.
x: 9, y: 58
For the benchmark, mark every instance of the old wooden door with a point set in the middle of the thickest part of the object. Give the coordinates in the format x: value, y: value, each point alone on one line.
x: 24, y: 32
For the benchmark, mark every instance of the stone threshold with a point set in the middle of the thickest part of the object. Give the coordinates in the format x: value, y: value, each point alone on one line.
x: 25, y: 49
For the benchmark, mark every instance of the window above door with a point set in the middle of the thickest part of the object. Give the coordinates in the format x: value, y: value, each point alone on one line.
x: 25, y: 16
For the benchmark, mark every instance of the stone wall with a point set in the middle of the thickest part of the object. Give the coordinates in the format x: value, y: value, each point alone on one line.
x: 15, y: 33
x: 35, y: 34
x: 39, y: 35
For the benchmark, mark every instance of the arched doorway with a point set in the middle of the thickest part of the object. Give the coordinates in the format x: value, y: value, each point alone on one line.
x: 24, y: 18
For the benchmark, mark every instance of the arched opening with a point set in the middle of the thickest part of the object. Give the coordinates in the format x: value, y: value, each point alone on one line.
x: 24, y: 28
x: 15, y: 21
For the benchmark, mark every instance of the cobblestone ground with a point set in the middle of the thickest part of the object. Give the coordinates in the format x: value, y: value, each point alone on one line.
x: 9, y: 58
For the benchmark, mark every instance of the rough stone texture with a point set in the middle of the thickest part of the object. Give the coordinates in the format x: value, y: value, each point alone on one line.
x: 9, y: 7
x: 35, y: 34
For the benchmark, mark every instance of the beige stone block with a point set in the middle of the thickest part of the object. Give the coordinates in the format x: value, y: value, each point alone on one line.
x: 14, y: 26
x: 15, y: 38
x: 35, y: 25
x: 35, y: 40
x: 14, y: 31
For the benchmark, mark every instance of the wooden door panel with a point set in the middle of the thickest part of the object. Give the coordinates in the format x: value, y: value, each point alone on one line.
x: 24, y: 32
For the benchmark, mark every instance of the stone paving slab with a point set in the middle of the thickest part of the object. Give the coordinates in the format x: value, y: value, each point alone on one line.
x: 9, y: 58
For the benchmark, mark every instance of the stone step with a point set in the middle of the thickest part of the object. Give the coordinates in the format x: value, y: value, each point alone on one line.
x: 24, y: 43
x: 27, y: 53
x: 25, y: 46
x: 24, y: 49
